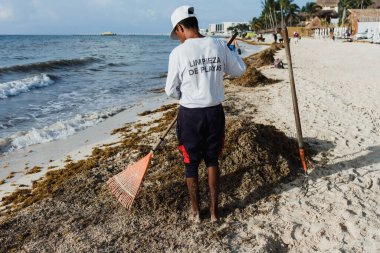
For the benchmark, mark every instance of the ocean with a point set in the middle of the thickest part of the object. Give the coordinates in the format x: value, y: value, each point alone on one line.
x: 54, y: 86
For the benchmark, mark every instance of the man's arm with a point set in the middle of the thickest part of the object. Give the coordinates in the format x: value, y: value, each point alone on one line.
x: 173, y: 81
x: 235, y: 66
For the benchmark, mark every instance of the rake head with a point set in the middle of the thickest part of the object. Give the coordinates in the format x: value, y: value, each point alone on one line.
x: 305, y: 185
x: 126, y: 184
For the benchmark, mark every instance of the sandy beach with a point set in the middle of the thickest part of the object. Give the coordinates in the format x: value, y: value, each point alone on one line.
x: 338, y: 90
x: 263, y: 208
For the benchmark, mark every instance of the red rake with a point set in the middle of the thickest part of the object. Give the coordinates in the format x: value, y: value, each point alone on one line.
x: 126, y: 184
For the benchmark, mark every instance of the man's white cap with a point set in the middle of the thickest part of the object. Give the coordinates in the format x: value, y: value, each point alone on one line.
x: 178, y: 15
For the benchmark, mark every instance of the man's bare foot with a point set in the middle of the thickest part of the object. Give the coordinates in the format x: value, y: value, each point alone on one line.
x: 194, y: 217
x: 214, y: 218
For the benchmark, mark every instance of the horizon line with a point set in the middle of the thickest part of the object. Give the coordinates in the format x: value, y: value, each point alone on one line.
x: 86, y: 34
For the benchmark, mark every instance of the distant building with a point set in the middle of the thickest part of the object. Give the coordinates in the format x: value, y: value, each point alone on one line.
x: 222, y: 28
x: 215, y: 28
x: 328, y: 4
x: 364, y: 20
x: 329, y: 11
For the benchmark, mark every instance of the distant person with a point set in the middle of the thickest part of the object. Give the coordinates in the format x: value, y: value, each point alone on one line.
x: 347, y: 34
x: 195, y: 77
x: 260, y: 38
x: 277, y: 63
x: 296, y: 37
x: 234, y: 45
x: 275, y: 37
x: 332, y: 36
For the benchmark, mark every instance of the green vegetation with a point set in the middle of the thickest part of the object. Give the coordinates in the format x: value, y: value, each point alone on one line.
x: 277, y: 12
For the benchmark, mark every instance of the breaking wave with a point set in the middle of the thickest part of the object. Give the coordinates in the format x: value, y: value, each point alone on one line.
x: 49, y: 65
x: 58, y: 130
x: 14, y: 88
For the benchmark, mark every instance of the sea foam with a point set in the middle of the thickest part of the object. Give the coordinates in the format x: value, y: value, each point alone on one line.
x: 58, y: 130
x: 14, y: 88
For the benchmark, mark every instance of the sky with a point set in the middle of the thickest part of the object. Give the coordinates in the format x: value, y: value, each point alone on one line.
x: 118, y: 16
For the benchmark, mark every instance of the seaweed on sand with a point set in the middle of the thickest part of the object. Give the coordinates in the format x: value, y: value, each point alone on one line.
x: 53, y: 180
x: 80, y: 213
x: 33, y: 170
x: 253, y: 77
x: 161, y: 109
x: 264, y: 57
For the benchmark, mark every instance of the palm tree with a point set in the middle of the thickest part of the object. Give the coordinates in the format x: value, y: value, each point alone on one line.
x: 361, y: 4
x: 282, y: 4
x: 310, y: 8
x: 257, y: 24
x: 292, y: 13
x: 288, y: 11
x: 269, y: 13
x: 343, y: 6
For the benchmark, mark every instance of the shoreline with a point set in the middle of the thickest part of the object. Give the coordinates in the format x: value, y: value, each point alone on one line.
x: 16, y: 166
x: 56, y: 154
x: 262, y: 204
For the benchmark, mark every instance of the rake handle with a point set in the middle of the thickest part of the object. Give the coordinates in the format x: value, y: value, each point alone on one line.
x: 232, y: 39
x: 294, y: 99
x: 162, y: 137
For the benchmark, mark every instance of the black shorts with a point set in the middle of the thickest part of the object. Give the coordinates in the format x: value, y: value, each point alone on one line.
x: 200, y: 132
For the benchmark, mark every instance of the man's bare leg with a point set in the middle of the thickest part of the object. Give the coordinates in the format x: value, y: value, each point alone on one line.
x: 213, y: 178
x: 192, y: 186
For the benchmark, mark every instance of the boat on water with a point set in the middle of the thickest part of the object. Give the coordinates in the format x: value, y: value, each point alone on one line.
x: 108, y: 34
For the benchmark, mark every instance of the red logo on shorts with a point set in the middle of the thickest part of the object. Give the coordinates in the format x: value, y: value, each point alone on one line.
x: 186, y: 158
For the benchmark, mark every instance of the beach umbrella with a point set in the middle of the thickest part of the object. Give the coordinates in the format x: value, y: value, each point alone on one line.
x: 305, y: 186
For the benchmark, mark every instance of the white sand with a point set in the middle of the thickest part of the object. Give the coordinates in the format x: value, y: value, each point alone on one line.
x: 338, y: 87
x: 76, y: 147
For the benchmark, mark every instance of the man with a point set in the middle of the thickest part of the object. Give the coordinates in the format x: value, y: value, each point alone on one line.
x: 275, y: 37
x: 195, y: 77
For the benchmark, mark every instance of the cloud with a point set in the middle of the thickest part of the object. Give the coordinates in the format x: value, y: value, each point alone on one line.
x: 6, y: 12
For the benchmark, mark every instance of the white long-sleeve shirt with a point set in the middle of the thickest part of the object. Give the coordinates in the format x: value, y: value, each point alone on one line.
x: 196, y: 68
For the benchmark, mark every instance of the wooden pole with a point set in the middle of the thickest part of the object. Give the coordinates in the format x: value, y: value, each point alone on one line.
x: 294, y: 99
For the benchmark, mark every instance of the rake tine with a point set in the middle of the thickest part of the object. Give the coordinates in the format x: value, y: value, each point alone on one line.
x: 305, y: 185
x: 125, y: 185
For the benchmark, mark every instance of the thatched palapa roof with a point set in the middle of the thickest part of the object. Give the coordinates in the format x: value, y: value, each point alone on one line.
x: 327, y: 13
x: 330, y: 3
x: 365, y: 15
x: 314, y: 24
